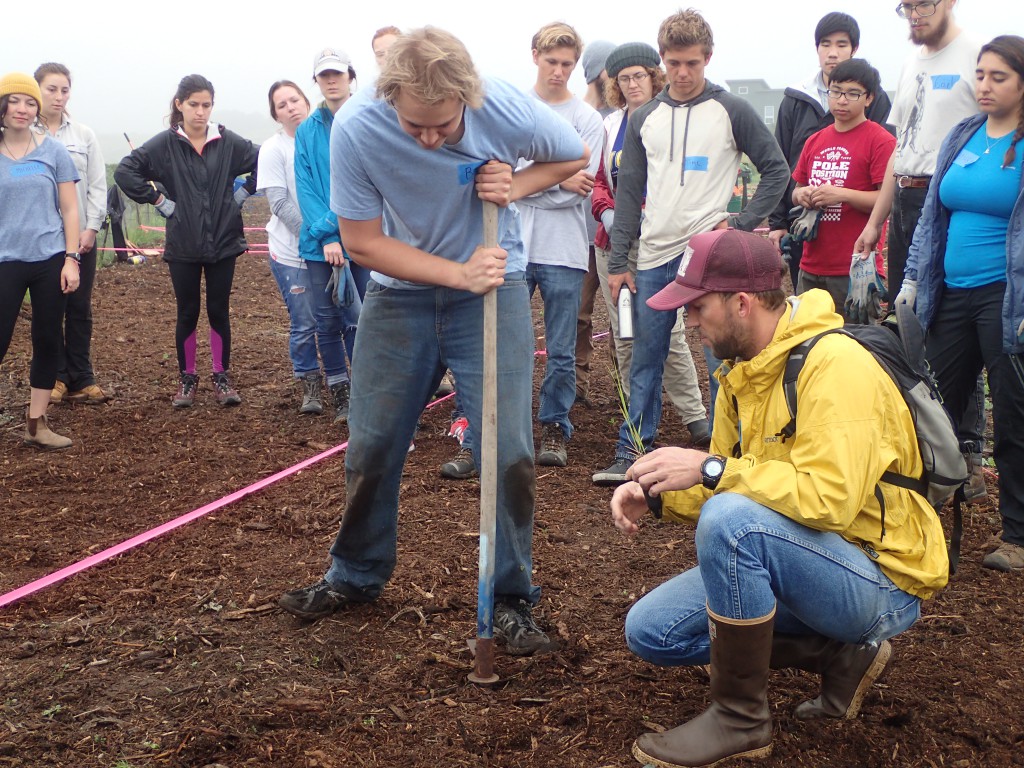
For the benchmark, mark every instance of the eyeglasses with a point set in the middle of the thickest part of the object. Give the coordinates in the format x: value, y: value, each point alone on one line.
x: 904, y: 10
x: 835, y: 94
x: 638, y: 78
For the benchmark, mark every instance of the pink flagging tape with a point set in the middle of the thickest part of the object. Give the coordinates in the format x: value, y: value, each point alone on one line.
x: 57, y: 576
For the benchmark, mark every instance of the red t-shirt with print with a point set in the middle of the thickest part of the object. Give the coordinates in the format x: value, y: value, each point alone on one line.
x: 854, y: 159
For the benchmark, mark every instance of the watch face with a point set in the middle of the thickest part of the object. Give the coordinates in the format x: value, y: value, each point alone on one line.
x: 713, y: 467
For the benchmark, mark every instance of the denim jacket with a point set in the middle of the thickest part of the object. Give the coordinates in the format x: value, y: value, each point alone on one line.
x: 927, y: 253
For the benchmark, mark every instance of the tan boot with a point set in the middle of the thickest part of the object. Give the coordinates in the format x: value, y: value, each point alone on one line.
x: 38, y: 434
x: 847, y: 671
x: 738, y: 723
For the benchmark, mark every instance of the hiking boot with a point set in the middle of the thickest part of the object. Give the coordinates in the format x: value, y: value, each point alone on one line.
x: 514, y: 626
x: 339, y: 396
x: 90, y: 395
x: 38, y: 435
x: 974, y: 488
x: 312, y: 397
x: 225, y: 393
x: 462, y: 467
x: 700, y: 433
x: 615, y: 474
x: 447, y: 385
x: 1007, y: 557
x: 187, y: 384
x: 313, y: 602
x: 583, y: 401
x: 59, y: 391
x: 552, y: 447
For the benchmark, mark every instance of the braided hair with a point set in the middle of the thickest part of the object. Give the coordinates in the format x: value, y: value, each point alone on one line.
x: 1010, y: 48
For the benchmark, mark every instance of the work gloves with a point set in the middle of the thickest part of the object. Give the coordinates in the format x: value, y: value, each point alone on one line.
x: 165, y: 207
x: 240, y: 196
x: 805, y: 223
x: 908, y: 293
x: 342, y: 287
x: 608, y: 219
x: 864, y: 299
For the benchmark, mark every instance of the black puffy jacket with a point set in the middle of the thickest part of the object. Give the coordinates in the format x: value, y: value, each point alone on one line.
x: 206, y: 225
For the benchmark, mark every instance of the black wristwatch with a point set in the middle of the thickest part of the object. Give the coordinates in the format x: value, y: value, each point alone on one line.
x: 711, y: 470
x: 74, y: 256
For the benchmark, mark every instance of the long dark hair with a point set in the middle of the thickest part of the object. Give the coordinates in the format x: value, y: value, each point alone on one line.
x: 189, y: 84
x: 1010, y: 48
x: 283, y: 84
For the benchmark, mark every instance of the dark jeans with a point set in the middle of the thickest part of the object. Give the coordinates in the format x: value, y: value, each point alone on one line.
x: 965, y: 336
x: 42, y: 280
x: 75, y: 366
x: 187, y: 281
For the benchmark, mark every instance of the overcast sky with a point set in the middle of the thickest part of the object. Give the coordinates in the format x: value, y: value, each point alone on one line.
x: 126, y: 58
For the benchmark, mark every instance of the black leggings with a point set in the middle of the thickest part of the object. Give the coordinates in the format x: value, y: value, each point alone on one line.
x: 187, y: 281
x: 42, y: 280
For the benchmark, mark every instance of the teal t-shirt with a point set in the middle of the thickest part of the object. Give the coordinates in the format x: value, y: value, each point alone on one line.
x: 980, y: 194
x: 31, y: 227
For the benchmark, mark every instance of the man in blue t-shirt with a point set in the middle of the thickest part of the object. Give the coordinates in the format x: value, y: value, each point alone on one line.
x: 416, y: 164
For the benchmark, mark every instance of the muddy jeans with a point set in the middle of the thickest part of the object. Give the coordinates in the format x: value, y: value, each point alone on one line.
x: 405, y: 341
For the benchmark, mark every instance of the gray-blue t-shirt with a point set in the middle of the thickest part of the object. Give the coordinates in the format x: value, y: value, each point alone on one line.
x: 31, y: 227
x: 427, y: 197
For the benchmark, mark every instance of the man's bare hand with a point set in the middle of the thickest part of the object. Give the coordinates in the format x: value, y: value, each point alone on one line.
x: 868, y: 239
x: 494, y: 182
x: 628, y: 505
x: 776, y: 236
x: 615, y: 283
x: 667, y: 469
x: 86, y: 240
x: 485, y: 270
x: 826, y: 195
x: 582, y: 183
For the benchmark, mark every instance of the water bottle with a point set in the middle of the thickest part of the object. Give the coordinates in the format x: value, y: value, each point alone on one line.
x: 625, y: 314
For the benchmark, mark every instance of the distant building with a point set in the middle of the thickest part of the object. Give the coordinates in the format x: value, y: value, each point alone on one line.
x: 762, y: 97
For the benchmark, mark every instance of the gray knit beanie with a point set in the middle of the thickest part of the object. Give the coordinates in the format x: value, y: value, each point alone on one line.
x: 593, y: 59
x: 631, y: 55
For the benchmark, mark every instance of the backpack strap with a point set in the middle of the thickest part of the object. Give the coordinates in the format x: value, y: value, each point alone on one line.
x: 795, y: 364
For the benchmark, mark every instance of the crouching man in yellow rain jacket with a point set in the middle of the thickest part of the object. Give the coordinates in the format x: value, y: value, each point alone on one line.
x: 798, y: 566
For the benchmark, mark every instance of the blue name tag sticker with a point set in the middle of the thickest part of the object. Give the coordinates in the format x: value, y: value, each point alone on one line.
x: 27, y: 168
x: 696, y: 163
x: 965, y: 158
x: 944, y: 82
x: 467, y: 172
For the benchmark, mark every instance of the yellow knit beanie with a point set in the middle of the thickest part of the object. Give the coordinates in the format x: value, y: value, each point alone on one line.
x: 18, y: 82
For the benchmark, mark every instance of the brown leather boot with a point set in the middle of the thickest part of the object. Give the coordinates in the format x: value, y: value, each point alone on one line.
x: 38, y: 434
x: 738, y: 723
x: 847, y: 671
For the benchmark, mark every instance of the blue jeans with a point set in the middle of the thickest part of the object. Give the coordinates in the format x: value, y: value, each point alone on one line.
x: 561, y: 289
x: 751, y: 559
x: 297, y: 292
x: 406, y: 339
x: 652, y: 333
x: 331, y: 323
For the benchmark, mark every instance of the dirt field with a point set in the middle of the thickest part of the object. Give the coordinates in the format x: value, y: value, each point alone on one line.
x: 175, y: 654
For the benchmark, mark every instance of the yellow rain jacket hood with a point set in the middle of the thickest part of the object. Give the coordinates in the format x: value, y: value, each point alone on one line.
x: 852, y: 425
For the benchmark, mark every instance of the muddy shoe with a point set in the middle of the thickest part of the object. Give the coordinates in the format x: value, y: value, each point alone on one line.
x: 339, y: 396
x: 38, y: 435
x: 462, y: 467
x: 312, y: 397
x: 552, y: 447
x: 58, y: 393
x: 515, y: 628
x: 447, y: 385
x: 974, y: 488
x: 1007, y: 557
x: 615, y: 474
x: 224, y: 391
x: 186, y: 395
x: 90, y: 395
x: 313, y: 602
x: 700, y: 433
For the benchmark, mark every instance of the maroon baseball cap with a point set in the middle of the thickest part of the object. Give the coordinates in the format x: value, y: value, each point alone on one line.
x: 724, y: 260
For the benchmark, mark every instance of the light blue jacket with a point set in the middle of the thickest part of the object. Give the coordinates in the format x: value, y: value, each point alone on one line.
x: 313, y: 184
x: 925, y: 261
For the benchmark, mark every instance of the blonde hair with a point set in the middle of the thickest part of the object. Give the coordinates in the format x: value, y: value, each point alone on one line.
x: 613, y: 93
x: 557, y: 35
x: 683, y: 29
x: 430, y: 65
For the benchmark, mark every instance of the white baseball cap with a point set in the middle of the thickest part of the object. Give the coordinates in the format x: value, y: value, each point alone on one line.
x: 331, y: 59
